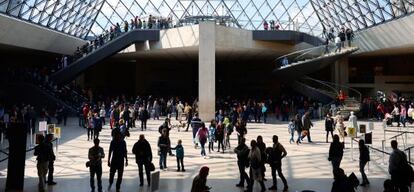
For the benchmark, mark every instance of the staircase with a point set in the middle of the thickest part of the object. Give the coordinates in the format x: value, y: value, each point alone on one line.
x: 110, y: 48
x: 327, y: 92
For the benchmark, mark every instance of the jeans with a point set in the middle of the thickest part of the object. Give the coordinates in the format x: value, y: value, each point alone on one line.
x: 278, y: 168
x: 362, y: 170
x: 243, y: 174
x: 96, y: 169
x: 141, y: 166
x: 180, y: 160
x: 211, y: 146
x: 203, y: 150
x: 292, y: 134
x: 112, y: 170
x: 299, y: 135
x: 403, y: 120
x: 163, y: 160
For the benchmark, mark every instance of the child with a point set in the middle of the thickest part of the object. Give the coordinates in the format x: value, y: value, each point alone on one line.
x: 179, y: 153
x: 211, y: 136
x: 291, y: 129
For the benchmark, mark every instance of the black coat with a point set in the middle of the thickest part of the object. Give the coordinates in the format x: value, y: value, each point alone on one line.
x: 142, y: 151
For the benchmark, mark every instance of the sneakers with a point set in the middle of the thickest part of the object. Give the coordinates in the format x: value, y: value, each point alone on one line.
x: 51, y: 183
x: 239, y: 185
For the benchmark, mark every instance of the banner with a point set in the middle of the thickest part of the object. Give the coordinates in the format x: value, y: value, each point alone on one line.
x: 362, y: 128
x: 57, y: 132
x: 51, y: 129
x: 42, y: 125
x: 351, y: 132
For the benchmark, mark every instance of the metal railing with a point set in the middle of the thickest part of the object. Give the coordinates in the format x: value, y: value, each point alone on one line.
x: 313, y: 52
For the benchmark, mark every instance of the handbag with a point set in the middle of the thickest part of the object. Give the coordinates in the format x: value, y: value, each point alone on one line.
x: 305, y: 133
x: 88, y: 164
x: 152, y: 167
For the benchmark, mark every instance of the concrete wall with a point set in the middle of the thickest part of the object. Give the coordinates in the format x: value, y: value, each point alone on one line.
x: 19, y: 33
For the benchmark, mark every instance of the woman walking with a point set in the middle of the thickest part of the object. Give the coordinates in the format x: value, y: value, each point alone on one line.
x: 202, y: 135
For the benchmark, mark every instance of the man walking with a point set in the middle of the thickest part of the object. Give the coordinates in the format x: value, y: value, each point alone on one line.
x: 95, y: 155
x: 143, y: 157
x: 276, y: 154
x: 242, y: 152
x: 118, y: 151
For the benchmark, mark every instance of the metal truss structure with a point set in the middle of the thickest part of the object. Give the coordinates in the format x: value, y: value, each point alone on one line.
x: 73, y: 17
x: 83, y: 18
x: 360, y: 14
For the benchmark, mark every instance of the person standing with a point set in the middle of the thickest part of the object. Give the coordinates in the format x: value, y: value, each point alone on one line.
x: 255, y: 158
x: 220, y: 137
x: 102, y: 114
x: 307, y: 124
x: 118, y: 151
x: 352, y: 121
x: 97, y: 125
x: 338, y: 44
x: 164, y: 147
x: 95, y: 155
x: 179, y: 154
x: 242, y: 152
x: 336, y: 151
x: 202, y: 135
x: 396, y: 114
x: 329, y: 126
x: 241, y: 130
x: 398, y: 167
x: 211, y: 135
x: 143, y: 117
x: 275, y: 156
x: 52, y: 159
x: 143, y: 158
x: 363, y: 160
x: 43, y: 153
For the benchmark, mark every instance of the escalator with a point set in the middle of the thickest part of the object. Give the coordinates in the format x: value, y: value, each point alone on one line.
x: 110, y: 48
x: 307, y: 61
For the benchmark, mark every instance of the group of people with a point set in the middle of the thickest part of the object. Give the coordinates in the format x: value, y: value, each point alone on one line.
x: 273, y: 26
x: 344, y: 34
x: 255, y: 159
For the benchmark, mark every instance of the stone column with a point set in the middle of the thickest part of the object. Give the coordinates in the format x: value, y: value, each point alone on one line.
x: 207, y: 71
x: 341, y: 72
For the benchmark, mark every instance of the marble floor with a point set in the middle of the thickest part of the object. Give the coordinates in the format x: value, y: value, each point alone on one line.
x: 306, y: 166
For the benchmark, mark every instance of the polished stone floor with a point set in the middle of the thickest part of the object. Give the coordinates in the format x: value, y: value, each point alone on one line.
x: 306, y: 166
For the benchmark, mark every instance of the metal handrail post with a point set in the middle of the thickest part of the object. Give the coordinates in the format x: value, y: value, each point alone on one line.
x: 383, y: 149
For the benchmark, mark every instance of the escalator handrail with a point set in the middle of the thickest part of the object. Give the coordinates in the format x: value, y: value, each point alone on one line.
x: 339, y: 85
x: 334, y: 90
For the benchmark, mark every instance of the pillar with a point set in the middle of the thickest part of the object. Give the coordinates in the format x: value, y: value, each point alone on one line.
x: 341, y: 72
x: 17, y: 156
x: 207, y: 71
